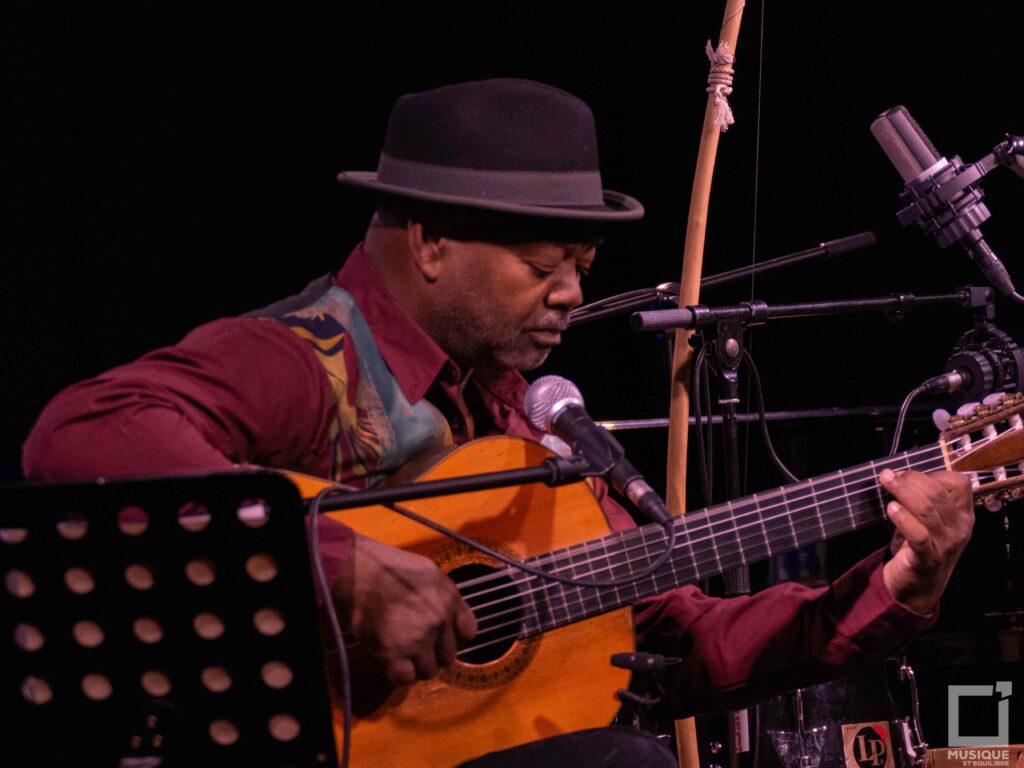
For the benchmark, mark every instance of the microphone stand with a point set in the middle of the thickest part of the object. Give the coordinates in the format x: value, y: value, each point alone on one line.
x: 727, y: 352
x: 668, y: 293
x: 750, y: 313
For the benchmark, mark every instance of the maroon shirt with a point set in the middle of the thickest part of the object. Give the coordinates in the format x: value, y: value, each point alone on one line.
x: 248, y: 390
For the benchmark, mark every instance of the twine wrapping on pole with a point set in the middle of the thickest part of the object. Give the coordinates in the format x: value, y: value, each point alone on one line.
x: 720, y: 83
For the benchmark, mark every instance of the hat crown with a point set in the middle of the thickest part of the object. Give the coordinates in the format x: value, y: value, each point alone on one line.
x: 500, y: 125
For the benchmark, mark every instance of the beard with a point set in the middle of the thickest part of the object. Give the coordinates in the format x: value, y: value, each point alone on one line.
x: 475, y: 339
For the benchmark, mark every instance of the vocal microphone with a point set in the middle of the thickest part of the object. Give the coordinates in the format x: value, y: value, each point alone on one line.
x: 555, y: 405
x: 940, y: 194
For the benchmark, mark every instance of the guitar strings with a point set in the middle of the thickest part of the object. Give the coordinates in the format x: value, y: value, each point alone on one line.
x: 802, y: 485
x: 705, y: 524
x: 580, y: 601
x: 707, y: 520
x: 741, y: 540
x: 859, y: 487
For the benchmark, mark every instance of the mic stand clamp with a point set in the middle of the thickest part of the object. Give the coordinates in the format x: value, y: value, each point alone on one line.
x: 645, y: 688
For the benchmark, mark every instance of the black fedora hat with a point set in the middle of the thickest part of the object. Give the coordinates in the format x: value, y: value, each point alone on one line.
x: 506, y: 145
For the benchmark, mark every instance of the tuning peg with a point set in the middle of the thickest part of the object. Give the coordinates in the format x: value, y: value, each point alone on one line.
x: 967, y: 409
x: 940, y: 418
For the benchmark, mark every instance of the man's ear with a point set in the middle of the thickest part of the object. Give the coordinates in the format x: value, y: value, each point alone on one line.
x: 427, y: 252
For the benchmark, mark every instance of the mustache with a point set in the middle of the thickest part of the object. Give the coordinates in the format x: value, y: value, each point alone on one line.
x: 556, y: 324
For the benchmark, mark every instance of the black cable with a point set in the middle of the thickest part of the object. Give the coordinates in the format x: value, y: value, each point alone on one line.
x: 762, y: 418
x: 669, y: 528
x: 904, y: 408
x: 332, y: 619
x: 434, y: 526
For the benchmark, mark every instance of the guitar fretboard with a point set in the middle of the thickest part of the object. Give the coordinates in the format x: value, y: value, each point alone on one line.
x: 708, y: 542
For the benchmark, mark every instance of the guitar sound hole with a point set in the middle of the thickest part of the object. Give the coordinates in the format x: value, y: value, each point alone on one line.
x: 498, y: 609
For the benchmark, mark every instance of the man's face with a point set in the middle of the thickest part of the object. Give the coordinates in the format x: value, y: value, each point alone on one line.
x: 505, y: 306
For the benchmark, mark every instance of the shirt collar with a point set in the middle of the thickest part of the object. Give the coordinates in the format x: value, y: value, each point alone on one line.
x: 413, y: 357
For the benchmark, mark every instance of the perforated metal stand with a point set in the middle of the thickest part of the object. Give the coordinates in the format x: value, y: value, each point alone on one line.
x: 160, y: 622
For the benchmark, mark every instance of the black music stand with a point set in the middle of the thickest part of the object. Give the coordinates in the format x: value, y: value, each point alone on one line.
x: 158, y: 623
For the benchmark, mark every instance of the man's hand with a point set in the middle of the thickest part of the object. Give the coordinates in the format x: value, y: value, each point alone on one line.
x: 933, y: 515
x: 403, y: 610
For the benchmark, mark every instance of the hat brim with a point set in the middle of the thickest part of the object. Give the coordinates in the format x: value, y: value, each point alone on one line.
x: 617, y: 206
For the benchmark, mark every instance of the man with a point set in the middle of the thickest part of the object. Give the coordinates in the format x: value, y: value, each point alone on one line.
x: 489, y: 208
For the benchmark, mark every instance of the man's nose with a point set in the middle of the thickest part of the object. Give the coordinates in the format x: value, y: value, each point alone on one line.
x: 566, y: 293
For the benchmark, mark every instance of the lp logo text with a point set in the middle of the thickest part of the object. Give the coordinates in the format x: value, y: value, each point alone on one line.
x: 1004, y: 688
x: 869, y: 747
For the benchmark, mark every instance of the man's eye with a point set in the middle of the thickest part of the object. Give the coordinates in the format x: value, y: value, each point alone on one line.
x: 583, y: 272
x: 541, y: 273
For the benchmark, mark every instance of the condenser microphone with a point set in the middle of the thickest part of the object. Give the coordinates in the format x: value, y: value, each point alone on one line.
x: 555, y: 405
x: 940, y: 194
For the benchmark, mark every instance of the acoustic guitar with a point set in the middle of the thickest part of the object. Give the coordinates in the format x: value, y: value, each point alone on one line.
x: 539, y: 665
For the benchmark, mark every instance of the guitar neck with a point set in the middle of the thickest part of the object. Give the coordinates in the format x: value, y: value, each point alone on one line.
x: 710, y: 541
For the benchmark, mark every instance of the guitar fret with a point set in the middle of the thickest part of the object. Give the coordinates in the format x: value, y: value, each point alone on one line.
x: 788, y: 521
x: 819, y: 501
x: 673, y: 564
x: 714, y: 545
x: 752, y: 545
x: 831, y: 496
x: 786, y: 512
x: 560, y: 590
x: 719, y: 523
x: 627, y: 556
x: 611, y: 575
x: 584, y: 569
x: 849, y: 503
x: 818, y: 512
x: 866, y: 511
x: 878, y: 491
x: 591, y: 598
x: 684, y: 531
x: 668, y: 575
x: 533, y: 621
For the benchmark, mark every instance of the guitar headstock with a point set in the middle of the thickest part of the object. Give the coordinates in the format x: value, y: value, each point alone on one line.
x: 987, y: 443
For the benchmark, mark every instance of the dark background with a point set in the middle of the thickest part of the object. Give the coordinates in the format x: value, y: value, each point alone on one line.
x: 167, y: 166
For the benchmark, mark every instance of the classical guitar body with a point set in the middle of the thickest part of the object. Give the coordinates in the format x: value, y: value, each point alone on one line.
x: 516, y: 689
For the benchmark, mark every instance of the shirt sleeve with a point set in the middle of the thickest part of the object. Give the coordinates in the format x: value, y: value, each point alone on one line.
x: 737, y: 651
x: 240, y: 390
x: 234, y: 391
